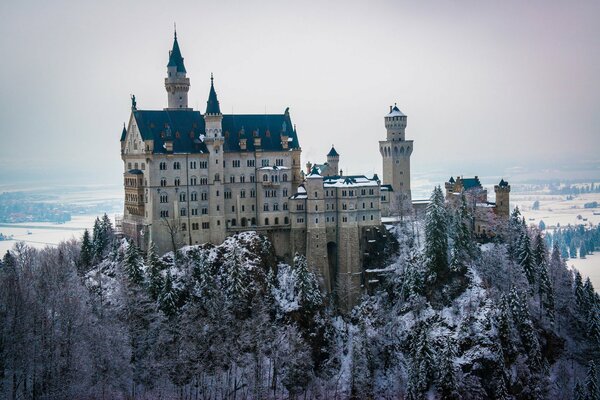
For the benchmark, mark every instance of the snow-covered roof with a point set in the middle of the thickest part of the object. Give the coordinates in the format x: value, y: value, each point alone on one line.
x: 396, y: 112
x: 300, y: 194
x: 274, y: 168
x: 349, y: 181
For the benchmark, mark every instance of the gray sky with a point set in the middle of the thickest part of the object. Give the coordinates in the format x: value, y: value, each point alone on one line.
x: 488, y: 87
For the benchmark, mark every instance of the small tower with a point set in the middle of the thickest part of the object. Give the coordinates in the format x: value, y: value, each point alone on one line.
x: 213, y: 138
x: 213, y: 117
x: 502, y: 190
x: 396, y: 152
x: 333, y: 160
x: 449, y: 187
x: 176, y: 83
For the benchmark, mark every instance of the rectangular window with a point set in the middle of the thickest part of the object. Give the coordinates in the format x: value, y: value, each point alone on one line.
x: 194, y: 211
x: 265, y: 162
x: 250, y: 163
x: 235, y: 163
x: 205, y: 225
x: 203, y: 164
x: 204, y: 210
x: 279, y: 162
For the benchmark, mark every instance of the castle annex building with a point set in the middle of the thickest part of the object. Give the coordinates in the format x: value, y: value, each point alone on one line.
x: 193, y: 177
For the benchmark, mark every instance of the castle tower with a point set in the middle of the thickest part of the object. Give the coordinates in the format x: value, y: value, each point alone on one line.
x: 396, y: 152
x: 176, y: 83
x: 316, y: 234
x: 333, y: 159
x: 214, y: 142
x: 502, y: 190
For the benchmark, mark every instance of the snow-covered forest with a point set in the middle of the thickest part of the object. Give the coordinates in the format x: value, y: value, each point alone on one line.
x: 450, y: 319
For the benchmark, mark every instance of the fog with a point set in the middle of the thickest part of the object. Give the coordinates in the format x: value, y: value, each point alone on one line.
x: 488, y: 88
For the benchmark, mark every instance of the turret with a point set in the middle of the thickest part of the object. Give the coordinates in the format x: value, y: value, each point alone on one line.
x: 395, y: 124
x: 213, y: 117
x: 176, y: 82
x: 502, y: 190
x: 333, y: 160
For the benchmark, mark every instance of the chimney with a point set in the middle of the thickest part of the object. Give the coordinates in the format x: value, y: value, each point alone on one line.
x: 390, y: 109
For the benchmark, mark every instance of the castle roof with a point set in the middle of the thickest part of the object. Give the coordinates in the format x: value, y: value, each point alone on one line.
x: 503, y: 183
x: 471, y: 183
x: 332, y: 152
x: 451, y: 179
x: 175, y: 58
x: 395, y: 112
x: 314, y: 173
x: 186, y: 128
x: 123, y: 133
x: 212, y: 105
x: 350, y: 180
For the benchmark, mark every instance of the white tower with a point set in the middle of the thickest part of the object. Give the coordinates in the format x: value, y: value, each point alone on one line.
x: 176, y: 83
x: 396, y: 151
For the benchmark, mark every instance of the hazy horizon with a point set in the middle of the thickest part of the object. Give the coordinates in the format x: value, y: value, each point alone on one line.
x: 504, y: 89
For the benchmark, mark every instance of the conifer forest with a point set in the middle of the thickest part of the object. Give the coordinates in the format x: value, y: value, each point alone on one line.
x: 449, y: 317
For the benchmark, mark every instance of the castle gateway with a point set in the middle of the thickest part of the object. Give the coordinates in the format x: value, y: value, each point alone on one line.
x: 192, y: 178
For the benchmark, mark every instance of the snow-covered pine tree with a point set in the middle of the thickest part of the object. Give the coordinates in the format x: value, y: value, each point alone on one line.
x: 167, y: 300
x: 546, y: 291
x: 591, y: 383
x: 99, y: 239
x: 462, y: 249
x: 436, y: 236
x: 155, y: 266
x: 579, y: 392
x: 133, y: 264
x: 446, y: 369
x: 235, y: 274
x: 573, y: 249
x: 307, y: 285
x: 87, y: 252
x: 525, y: 258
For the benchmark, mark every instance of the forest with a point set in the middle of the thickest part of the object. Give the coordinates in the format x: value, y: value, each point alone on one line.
x: 449, y: 319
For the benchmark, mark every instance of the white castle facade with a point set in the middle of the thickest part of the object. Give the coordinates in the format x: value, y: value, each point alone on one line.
x: 192, y: 178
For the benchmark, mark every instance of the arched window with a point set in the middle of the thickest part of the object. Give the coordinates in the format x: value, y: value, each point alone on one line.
x: 265, y: 178
x: 244, y: 221
x: 402, y: 150
x: 395, y: 150
x: 266, y: 221
x: 233, y: 222
x: 286, y: 220
x: 163, y: 181
x: 217, y: 177
x: 253, y: 221
x: 276, y: 220
x: 284, y: 178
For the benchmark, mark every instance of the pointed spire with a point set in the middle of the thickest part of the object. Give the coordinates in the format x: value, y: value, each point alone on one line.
x: 123, y: 132
x: 175, y: 58
x: 212, y: 105
x: 332, y: 152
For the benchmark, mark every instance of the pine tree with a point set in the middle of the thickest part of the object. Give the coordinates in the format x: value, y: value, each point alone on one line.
x: 582, y: 250
x: 504, y: 326
x: 133, y: 264
x: 447, y: 372
x: 98, y: 239
x: 436, y: 235
x: 525, y: 257
x: 591, y: 383
x: 235, y: 275
x: 546, y: 291
x: 522, y: 318
x: 87, y: 252
x: 573, y: 249
x: 579, y: 392
x: 167, y: 300
x: 155, y: 266
x: 462, y: 249
x: 309, y: 293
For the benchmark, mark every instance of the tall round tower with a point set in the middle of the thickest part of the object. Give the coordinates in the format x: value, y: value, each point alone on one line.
x: 176, y: 82
x: 395, y: 152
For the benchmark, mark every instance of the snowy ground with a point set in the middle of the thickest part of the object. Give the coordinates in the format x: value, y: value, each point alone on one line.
x: 556, y: 209
x: 45, y: 233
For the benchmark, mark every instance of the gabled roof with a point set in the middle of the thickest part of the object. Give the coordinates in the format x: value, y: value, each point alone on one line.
x: 186, y: 129
x: 451, y: 180
x: 332, y: 152
x: 314, y: 173
x: 175, y: 58
x: 212, y: 105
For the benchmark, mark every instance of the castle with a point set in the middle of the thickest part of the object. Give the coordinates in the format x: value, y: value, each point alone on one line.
x: 192, y: 178
x: 486, y: 214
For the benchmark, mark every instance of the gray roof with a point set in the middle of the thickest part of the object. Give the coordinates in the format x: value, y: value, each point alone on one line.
x: 185, y: 128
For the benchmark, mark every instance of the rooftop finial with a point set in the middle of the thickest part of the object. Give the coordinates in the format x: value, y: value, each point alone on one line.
x: 211, y: 78
x: 175, y: 29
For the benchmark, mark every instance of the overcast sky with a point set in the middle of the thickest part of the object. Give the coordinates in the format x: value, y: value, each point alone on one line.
x: 488, y: 87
